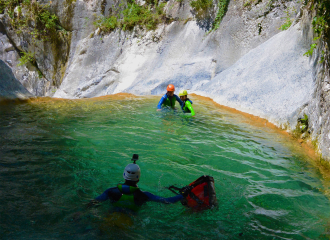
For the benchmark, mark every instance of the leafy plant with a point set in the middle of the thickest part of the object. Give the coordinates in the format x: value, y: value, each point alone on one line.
x: 27, y: 57
x: 135, y: 14
x: 222, y: 10
x: 287, y: 24
x: 304, y: 123
x: 301, y: 130
x: 148, y: 16
x: 288, y: 20
x: 321, y: 23
x: 311, y: 50
x: 49, y: 21
x: 107, y: 24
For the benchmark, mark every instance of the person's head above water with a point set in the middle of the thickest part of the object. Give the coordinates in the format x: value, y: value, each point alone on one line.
x: 132, y: 171
x: 183, y: 95
x: 170, y: 90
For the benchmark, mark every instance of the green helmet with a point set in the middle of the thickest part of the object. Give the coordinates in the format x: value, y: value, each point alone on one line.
x: 183, y: 93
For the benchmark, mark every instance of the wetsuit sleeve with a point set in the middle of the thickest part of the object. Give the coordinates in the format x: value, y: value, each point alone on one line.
x: 188, y: 104
x: 155, y: 198
x: 161, y: 101
x: 179, y: 100
x: 108, y: 194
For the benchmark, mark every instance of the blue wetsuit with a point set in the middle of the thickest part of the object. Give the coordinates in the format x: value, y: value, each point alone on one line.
x: 114, y: 194
x: 169, y: 101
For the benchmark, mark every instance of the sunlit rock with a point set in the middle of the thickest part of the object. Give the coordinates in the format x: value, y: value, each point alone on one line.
x: 10, y: 87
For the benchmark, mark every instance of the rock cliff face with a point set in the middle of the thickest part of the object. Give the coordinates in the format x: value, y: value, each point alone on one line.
x: 247, y: 63
x: 318, y: 107
x: 10, y: 88
x: 182, y: 53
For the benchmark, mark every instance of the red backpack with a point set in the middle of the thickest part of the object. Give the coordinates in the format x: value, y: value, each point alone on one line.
x: 202, y: 195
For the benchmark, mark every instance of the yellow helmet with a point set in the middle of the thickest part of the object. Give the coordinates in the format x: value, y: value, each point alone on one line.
x: 183, y: 93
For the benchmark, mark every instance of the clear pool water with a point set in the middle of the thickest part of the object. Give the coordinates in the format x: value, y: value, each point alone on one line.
x: 56, y: 155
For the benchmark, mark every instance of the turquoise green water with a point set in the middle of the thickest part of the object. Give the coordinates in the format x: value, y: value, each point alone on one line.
x: 57, y: 155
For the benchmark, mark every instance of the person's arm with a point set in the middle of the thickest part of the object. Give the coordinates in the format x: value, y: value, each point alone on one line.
x: 111, y: 193
x: 161, y: 101
x: 188, y: 104
x: 104, y: 196
x: 179, y: 100
x: 155, y: 198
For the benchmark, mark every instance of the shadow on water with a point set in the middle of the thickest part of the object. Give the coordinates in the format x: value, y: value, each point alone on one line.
x: 56, y: 155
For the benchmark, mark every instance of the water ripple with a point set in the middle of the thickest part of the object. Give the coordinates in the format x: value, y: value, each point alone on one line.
x: 55, y: 155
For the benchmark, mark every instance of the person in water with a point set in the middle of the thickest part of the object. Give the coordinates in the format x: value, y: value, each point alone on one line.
x: 128, y: 196
x: 186, y: 107
x: 169, y: 98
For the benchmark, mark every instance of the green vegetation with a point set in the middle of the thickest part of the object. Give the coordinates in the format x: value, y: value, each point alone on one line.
x: 222, y: 10
x: 107, y: 24
x: 286, y: 25
x: 31, y: 18
x: 34, y: 23
x: 201, y: 7
x: 135, y: 14
x: 287, y: 22
x: 131, y: 15
x: 149, y: 15
x: 321, y: 23
x: 301, y: 130
x: 303, y: 123
x: 248, y: 3
x: 26, y: 57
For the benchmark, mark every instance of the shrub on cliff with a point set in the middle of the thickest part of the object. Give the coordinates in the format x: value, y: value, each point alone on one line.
x: 131, y: 15
x: 222, y: 10
x: 34, y: 24
x: 31, y: 18
x: 321, y: 24
x: 201, y: 7
x: 145, y: 16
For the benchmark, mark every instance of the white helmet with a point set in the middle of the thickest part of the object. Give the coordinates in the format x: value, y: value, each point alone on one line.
x: 132, y: 172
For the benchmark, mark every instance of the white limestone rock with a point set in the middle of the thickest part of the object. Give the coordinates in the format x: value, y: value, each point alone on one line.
x: 10, y: 87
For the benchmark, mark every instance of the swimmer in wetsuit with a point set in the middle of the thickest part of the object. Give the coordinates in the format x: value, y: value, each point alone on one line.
x: 186, y: 107
x: 128, y: 196
x: 169, y: 98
